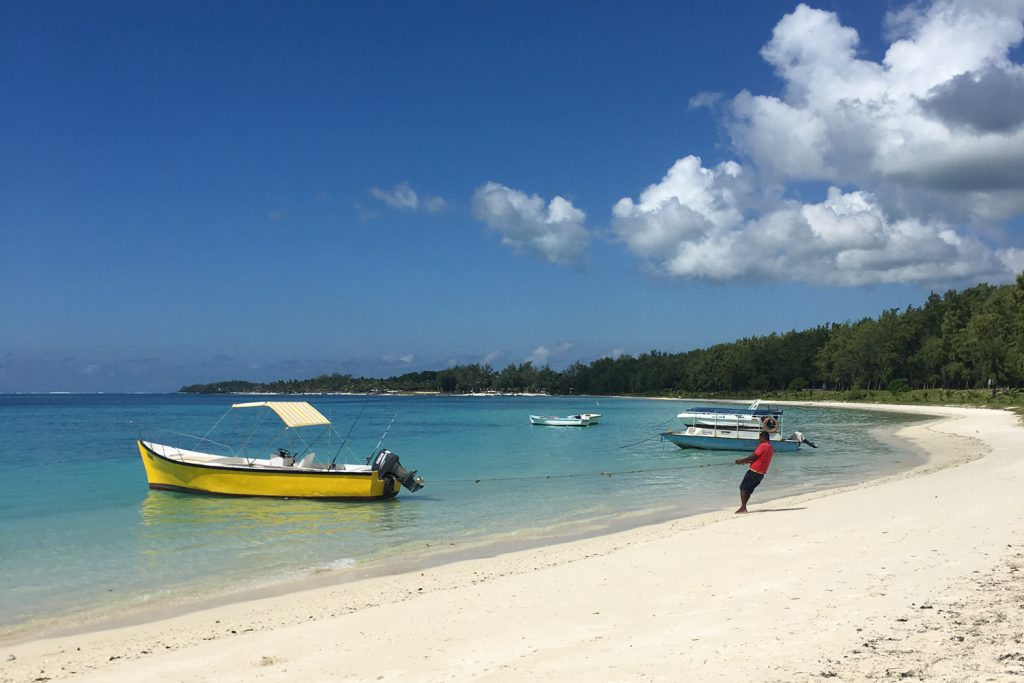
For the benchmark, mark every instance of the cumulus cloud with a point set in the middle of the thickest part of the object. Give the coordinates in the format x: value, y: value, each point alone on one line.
x: 493, y: 357
x: 692, y: 225
x: 543, y: 356
x: 403, y: 197
x: 687, y: 204
x: 990, y: 101
x: 924, y: 152
x: 940, y: 114
x: 553, y: 230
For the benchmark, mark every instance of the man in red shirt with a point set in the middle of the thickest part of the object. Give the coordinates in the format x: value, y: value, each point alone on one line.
x: 759, y: 461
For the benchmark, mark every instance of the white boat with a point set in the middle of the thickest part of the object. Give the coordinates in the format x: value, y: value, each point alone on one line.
x: 593, y: 417
x: 753, y: 417
x: 733, y: 429
x: 567, y: 421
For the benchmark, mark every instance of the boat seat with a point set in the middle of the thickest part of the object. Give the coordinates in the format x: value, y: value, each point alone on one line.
x: 307, y: 460
x: 231, y: 461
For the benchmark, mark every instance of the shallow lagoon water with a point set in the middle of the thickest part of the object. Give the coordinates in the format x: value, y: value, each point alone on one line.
x: 81, y: 534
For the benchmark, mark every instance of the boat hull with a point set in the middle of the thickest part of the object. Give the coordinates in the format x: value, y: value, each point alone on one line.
x: 171, y: 474
x: 726, y: 442
x: 549, y: 421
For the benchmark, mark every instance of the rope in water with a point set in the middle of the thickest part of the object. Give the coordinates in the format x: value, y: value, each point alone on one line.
x: 637, y: 443
x: 652, y: 437
x: 577, y: 475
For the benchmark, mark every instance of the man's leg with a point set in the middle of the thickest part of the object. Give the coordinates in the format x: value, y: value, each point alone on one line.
x: 744, y: 497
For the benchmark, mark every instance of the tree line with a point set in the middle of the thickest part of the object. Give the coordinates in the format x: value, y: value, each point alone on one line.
x: 959, y: 340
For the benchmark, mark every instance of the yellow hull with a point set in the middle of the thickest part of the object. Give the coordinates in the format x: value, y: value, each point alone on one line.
x: 175, y: 475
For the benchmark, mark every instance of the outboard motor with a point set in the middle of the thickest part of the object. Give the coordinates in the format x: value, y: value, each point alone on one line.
x: 799, y: 437
x: 386, y: 464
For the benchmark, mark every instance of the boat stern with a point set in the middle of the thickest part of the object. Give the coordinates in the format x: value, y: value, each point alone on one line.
x: 387, y: 465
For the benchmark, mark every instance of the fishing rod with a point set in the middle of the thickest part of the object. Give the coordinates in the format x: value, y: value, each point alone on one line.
x: 382, y: 437
x: 344, y: 440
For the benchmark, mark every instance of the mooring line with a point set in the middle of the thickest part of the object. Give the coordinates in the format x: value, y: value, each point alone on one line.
x: 637, y: 443
x: 576, y: 475
x: 650, y: 438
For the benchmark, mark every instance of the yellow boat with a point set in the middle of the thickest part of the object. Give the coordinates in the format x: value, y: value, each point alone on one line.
x: 282, y: 474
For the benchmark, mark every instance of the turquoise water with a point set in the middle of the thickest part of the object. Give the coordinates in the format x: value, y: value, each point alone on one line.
x: 82, y: 536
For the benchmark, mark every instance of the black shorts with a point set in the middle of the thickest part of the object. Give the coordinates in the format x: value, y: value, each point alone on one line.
x: 750, y: 481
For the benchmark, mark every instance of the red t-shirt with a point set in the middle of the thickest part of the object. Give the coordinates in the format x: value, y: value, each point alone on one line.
x: 764, y: 453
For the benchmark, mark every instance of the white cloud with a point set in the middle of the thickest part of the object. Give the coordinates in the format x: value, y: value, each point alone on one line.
x: 543, y: 356
x: 692, y: 225
x: 687, y: 204
x: 435, y: 204
x: 708, y: 100
x: 400, y: 197
x: 924, y: 151
x: 939, y: 118
x: 554, y: 231
x: 493, y: 357
x: 403, y: 197
x: 540, y: 356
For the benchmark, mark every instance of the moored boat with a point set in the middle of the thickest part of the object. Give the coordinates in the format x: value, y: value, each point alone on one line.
x: 733, y: 429
x: 753, y: 417
x: 567, y: 421
x: 281, y: 473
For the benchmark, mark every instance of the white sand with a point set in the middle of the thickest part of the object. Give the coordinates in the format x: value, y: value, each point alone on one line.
x: 916, y: 577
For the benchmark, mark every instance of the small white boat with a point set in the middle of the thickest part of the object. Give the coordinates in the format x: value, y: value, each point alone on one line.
x: 593, y: 417
x: 567, y: 421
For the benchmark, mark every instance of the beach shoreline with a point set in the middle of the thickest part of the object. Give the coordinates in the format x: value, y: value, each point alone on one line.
x: 462, y: 601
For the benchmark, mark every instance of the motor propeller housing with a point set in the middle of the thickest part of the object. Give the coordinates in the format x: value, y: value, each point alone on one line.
x: 386, y: 464
x: 799, y: 436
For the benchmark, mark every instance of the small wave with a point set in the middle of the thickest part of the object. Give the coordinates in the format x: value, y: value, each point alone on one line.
x: 334, y: 565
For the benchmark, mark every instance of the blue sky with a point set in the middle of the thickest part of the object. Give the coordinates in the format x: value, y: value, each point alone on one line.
x: 202, y: 191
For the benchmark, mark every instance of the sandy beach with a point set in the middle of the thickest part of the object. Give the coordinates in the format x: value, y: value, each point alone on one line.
x: 918, y: 576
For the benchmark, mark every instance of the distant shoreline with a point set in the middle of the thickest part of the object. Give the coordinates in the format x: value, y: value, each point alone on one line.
x: 1012, y: 399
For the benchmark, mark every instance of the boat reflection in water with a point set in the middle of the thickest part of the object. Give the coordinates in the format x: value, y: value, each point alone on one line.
x: 267, y: 540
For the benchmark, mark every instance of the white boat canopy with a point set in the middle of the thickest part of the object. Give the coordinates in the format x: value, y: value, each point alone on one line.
x: 292, y: 413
